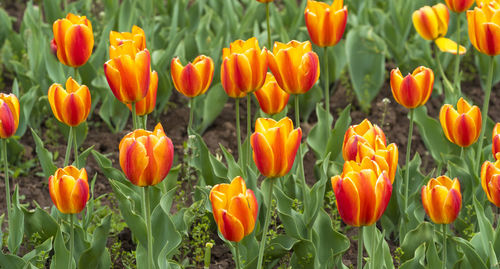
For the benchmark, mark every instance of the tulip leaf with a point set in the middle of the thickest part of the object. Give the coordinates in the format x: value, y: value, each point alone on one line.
x: 42, y: 248
x: 486, y: 230
x: 303, y: 254
x: 107, y: 168
x: 204, y: 162
x: 417, y: 261
x: 415, y: 238
x: 433, y: 260
x: 212, y: 106
x: 6, y: 29
x: 61, y: 256
x: 166, y: 237
x: 470, y: 253
x: 40, y: 222
x: 91, y: 257
x: 16, y: 221
x: 44, y: 156
x: 320, y: 132
x: 336, y: 138
x: 329, y: 242
x: 11, y: 261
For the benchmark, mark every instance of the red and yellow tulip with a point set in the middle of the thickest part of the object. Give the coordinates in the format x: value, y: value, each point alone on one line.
x: 459, y: 5
x: 265, y: 1
x: 413, y: 90
x: 235, y: 209
x: 359, y: 134
x: 148, y: 103
x: 272, y: 99
x: 128, y: 72
x: 495, y: 147
x: 244, y: 67
x: 442, y: 199
x: 490, y: 181
x: 73, y: 40
x: 69, y: 189
x: 193, y: 79
x: 484, y: 28
x: 275, y: 145
x: 146, y: 157
x: 9, y: 115
x: 462, y: 126
x: 325, y: 23
x: 362, y: 192
x: 294, y: 65
x: 70, y: 106
x: 136, y: 36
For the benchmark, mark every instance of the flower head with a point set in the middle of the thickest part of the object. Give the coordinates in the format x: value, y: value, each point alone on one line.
x: 70, y: 106
x: 462, y: 126
x: 69, y: 189
x: 73, y: 40
x: 9, y: 115
x: 325, y: 23
x: 442, y: 199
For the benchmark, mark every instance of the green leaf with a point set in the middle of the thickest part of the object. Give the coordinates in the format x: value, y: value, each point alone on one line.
x: 6, y: 28
x: 329, y: 243
x: 486, y: 230
x: 417, y: 261
x: 61, y: 256
x: 39, y: 221
x: 11, y: 261
x: 470, y: 253
x: 91, y: 257
x: 336, y: 138
x: 212, y: 106
x: 303, y: 254
x: 416, y: 238
x: 320, y: 132
x: 44, y: 155
x: 16, y: 221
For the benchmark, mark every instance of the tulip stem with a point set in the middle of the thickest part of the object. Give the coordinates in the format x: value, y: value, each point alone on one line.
x: 147, y: 212
x: 68, y: 147
x: 6, y: 177
x: 191, y: 114
x: 237, y: 258
x: 372, y: 258
x: 447, y: 83
x: 71, y: 239
x: 134, y: 116
x: 145, y: 121
x: 327, y: 82
x: 301, y: 162
x: 360, y: 247
x: 249, y: 128
x: 77, y: 163
x: 238, y: 131
x: 266, y: 224
x: 408, y: 152
x: 484, y: 112
x: 457, y: 62
x: 268, y: 26
x: 444, y: 245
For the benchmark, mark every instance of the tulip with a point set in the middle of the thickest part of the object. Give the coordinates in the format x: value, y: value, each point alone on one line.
x: 459, y: 6
x: 235, y: 209
x: 70, y: 106
x: 9, y: 115
x: 484, y: 28
x: 69, y: 189
x: 490, y: 181
x: 442, y: 199
x: 495, y: 147
x: 294, y: 65
x: 413, y: 90
x: 137, y: 37
x: 244, y: 67
x: 193, y: 79
x: 272, y: 99
x: 325, y: 23
x: 148, y: 103
x: 462, y: 126
x: 275, y: 145
x: 359, y: 134
x: 145, y: 156
x: 73, y: 39
x: 128, y: 72
x: 265, y: 1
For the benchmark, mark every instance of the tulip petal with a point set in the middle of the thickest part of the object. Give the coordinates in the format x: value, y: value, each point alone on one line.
x: 230, y: 227
x: 347, y: 198
x: 262, y: 153
x: 449, y: 46
x: 133, y: 161
x: 239, y: 208
x: 78, y: 43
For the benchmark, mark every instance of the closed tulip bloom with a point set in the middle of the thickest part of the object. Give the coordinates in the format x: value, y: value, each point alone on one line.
x: 442, y: 199
x: 128, y: 72
x: 495, y: 147
x: 70, y: 106
x: 146, y: 157
x: 69, y: 189
x: 413, y: 90
x: 275, y: 145
x: 490, y: 181
x: 272, y: 99
x: 484, y: 28
x: 9, y: 115
x: 462, y: 126
x: 136, y: 36
x: 362, y: 193
x: 235, y: 209
x: 459, y: 5
x: 294, y: 65
x: 325, y: 23
x: 193, y: 79
x: 359, y: 134
x: 244, y: 67
x: 148, y: 103
x: 73, y: 39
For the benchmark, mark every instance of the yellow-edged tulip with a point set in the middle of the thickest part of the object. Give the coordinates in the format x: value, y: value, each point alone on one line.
x: 462, y: 126
x: 484, y: 28
x: 9, y: 115
x: 136, y: 36
x: 73, y: 40
x: 413, y: 90
x: 272, y: 99
x: 69, y: 189
x: 459, y: 5
x: 490, y: 181
x: 193, y: 79
x: 495, y: 143
x: 70, y: 106
x: 325, y: 23
x: 442, y: 199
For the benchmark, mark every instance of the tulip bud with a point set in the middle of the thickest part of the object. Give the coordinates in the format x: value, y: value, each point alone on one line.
x: 442, y: 199
x: 70, y: 106
x: 74, y: 40
x: 193, y: 79
x: 325, y: 23
x: 272, y: 99
x: 462, y: 126
x: 9, y: 115
x: 413, y: 90
x: 69, y: 189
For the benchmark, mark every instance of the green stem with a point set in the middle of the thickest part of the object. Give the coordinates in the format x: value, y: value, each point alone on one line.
x: 372, y: 259
x: 444, y: 246
x: 266, y: 224
x: 6, y: 177
x: 134, y: 117
x: 360, y: 247
x: 191, y: 114
x: 147, y: 213
x: 484, y: 112
x: 238, y: 130
x: 71, y: 240
x: 237, y: 258
x: 327, y: 82
x: 457, y: 61
x: 268, y: 27
x: 68, y: 147
x: 145, y: 121
x: 249, y: 128
x: 77, y: 163
x: 439, y: 167
x: 408, y: 152
x: 301, y: 163
x: 447, y: 82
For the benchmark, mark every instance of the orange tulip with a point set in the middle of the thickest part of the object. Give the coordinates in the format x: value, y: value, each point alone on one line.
x: 193, y: 79
x: 69, y: 189
x: 146, y: 157
x: 275, y: 145
x: 137, y: 37
x: 235, y: 209
x: 272, y: 99
x: 73, y: 40
x: 442, y: 199
x: 71, y: 106
x: 265, y: 1
x: 459, y: 5
x: 325, y: 23
x: 479, y: 3
x: 495, y: 147
x: 359, y: 134
x: 148, y: 103
x: 244, y: 67
x: 128, y: 72
x: 484, y: 28
x: 362, y: 192
x: 490, y: 181
x: 294, y: 65
x: 9, y: 115
x: 462, y: 126
x: 413, y: 90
